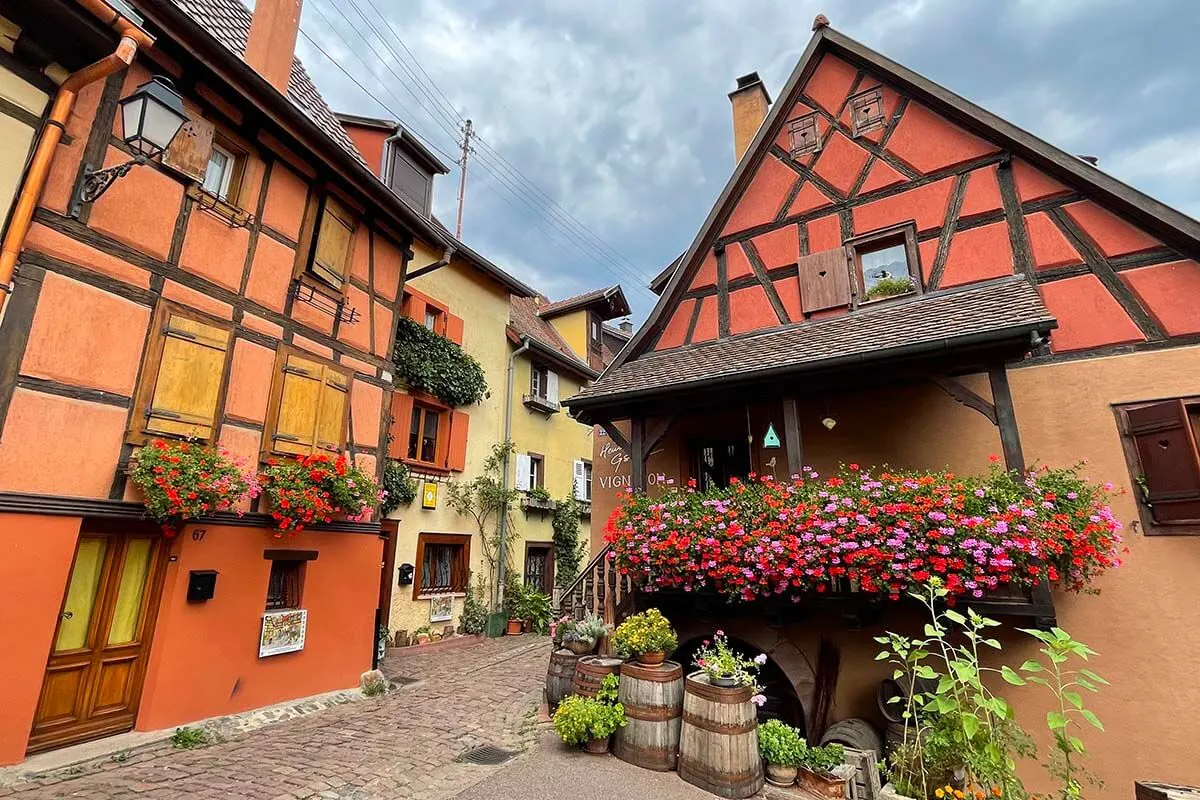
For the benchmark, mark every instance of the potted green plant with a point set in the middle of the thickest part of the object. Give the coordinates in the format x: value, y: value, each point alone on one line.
x: 591, y: 721
x: 782, y: 748
x: 535, y: 611
x: 647, y: 637
x: 514, y: 604
x: 725, y: 666
x: 594, y: 627
x: 816, y: 774
x: 574, y: 639
x: 889, y: 287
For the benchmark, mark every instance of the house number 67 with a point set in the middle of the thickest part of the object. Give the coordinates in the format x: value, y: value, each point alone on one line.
x: 198, y: 534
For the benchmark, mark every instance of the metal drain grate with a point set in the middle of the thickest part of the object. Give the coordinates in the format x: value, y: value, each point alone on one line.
x: 487, y: 754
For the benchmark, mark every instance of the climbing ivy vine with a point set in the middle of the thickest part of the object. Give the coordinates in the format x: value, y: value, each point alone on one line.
x: 568, y: 552
x: 429, y: 362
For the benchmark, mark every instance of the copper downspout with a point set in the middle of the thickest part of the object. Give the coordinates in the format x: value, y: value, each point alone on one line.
x: 39, y: 166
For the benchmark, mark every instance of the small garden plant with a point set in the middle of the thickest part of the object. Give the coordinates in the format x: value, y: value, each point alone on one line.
x: 182, y: 480
x: 474, y: 615
x: 187, y: 738
x: 725, y: 666
x: 780, y: 743
x: 580, y: 720
x: 823, y: 760
x: 398, y: 486
x: 534, y: 607
x: 647, y: 632
x: 889, y: 287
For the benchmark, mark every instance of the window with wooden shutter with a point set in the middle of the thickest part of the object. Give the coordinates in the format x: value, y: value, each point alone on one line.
x: 335, y: 236
x: 885, y: 264
x: 1169, y: 463
x: 308, y: 411
x: 456, y: 455
x: 824, y: 280
x: 182, y: 377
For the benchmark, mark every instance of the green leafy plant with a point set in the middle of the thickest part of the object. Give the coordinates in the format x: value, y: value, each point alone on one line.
x: 431, y: 363
x: 485, y: 499
x: 535, y: 608
x: 540, y: 494
x: 473, y: 619
x: 514, y: 596
x: 188, y: 738
x: 609, y: 686
x: 889, y: 287
x: 1058, y: 648
x: 780, y: 743
x: 647, y: 632
x: 823, y: 760
x: 183, y: 480
x: 398, y: 485
x: 594, y: 626
x: 313, y: 488
x: 568, y: 549
x: 579, y: 720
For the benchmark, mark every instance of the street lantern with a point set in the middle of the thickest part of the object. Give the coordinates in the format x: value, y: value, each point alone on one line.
x: 151, y: 117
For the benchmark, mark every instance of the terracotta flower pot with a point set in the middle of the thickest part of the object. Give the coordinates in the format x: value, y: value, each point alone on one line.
x: 779, y: 775
x: 651, y: 659
x: 822, y: 785
x: 513, y: 628
x: 596, y: 747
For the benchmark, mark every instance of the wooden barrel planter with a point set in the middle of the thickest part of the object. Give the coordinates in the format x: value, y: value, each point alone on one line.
x: 653, y: 700
x: 590, y: 670
x: 560, y: 677
x: 718, y: 742
x: 857, y: 733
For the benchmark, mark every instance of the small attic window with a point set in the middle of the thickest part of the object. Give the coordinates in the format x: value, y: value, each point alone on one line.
x: 803, y: 133
x: 411, y: 181
x: 866, y: 111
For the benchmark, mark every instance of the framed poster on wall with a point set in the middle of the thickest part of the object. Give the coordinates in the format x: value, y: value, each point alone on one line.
x: 441, y: 608
x: 282, y: 632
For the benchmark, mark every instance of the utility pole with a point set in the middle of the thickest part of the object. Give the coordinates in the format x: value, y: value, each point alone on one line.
x: 468, y: 132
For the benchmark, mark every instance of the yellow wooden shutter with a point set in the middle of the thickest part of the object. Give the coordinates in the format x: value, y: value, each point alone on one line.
x: 299, y: 401
x: 333, y: 244
x: 188, y: 385
x: 331, y: 419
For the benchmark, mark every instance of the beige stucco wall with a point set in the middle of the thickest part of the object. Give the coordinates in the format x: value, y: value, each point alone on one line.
x: 573, y: 328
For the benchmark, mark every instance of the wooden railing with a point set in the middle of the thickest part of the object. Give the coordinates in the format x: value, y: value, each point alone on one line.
x: 599, y: 588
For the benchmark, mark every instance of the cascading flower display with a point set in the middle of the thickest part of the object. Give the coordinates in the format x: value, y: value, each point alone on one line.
x: 313, y: 488
x: 182, y: 480
x: 880, y: 531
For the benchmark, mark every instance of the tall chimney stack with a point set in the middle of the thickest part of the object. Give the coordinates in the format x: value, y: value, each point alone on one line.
x: 750, y: 102
x: 272, y: 42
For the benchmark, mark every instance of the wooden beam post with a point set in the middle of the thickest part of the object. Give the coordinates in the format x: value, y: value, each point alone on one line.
x: 637, y: 454
x: 791, y: 436
x: 1006, y: 418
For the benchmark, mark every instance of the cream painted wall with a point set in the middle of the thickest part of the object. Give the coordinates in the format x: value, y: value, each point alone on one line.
x: 573, y: 328
x: 16, y: 136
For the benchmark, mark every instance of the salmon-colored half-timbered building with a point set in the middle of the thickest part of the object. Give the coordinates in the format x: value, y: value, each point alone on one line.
x: 895, y: 276
x: 243, y: 290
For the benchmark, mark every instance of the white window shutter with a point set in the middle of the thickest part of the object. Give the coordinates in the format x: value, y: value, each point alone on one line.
x: 552, y: 386
x: 580, y: 481
x: 524, y: 463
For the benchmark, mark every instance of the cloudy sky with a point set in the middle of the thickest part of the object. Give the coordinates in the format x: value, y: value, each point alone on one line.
x: 605, y: 128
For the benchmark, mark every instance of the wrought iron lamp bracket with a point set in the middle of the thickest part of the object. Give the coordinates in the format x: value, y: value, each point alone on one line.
x: 96, y: 181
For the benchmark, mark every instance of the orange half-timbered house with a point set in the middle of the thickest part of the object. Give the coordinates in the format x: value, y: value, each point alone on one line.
x: 893, y: 275
x: 242, y: 290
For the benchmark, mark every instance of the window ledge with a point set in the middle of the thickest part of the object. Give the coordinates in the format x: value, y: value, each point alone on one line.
x: 425, y: 468
x: 436, y: 595
x: 540, y: 404
x: 207, y: 201
x: 528, y: 503
x: 585, y: 508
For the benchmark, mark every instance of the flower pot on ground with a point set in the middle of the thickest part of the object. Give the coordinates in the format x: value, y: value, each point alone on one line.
x: 647, y: 635
x: 514, y: 628
x: 589, y: 721
x: 782, y: 749
x: 596, y: 747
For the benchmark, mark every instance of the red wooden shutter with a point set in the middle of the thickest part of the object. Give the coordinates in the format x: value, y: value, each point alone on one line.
x: 442, y: 456
x: 457, y: 457
x: 454, y: 329
x: 402, y: 405
x: 824, y: 280
x: 415, y: 309
x: 1166, y: 449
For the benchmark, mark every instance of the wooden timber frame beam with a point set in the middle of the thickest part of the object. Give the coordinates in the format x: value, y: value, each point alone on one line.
x: 999, y: 411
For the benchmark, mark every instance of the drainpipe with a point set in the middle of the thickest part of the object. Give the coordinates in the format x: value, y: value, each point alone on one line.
x: 132, y: 37
x: 508, y: 409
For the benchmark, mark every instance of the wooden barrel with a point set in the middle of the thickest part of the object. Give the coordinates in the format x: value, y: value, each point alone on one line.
x: 900, y: 687
x: 590, y: 670
x: 560, y: 676
x: 718, y: 743
x: 653, y: 700
x: 856, y: 733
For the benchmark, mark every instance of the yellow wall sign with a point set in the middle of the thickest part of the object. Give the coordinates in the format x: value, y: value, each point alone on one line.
x: 429, y: 495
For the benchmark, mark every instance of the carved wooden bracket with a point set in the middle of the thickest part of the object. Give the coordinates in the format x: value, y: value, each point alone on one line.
x: 615, y: 434
x: 967, y: 397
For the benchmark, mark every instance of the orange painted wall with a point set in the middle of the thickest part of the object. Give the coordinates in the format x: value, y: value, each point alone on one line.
x: 35, y: 560
x: 204, y: 661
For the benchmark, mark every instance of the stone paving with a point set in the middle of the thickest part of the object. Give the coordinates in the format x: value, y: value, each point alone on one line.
x: 402, y: 745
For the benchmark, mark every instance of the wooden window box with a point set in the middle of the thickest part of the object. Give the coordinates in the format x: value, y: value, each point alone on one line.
x: 529, y: 503
x: 541, y: 404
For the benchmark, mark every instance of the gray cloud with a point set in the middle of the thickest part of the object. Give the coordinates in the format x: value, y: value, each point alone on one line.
x: 618, y: 110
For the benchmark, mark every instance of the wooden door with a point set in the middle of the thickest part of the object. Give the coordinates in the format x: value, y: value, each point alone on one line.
x: 539, y: 566
x: 98, y: 657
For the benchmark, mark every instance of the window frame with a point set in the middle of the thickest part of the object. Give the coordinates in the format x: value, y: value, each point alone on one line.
x: 548, y: 561
x: 152, y: 362
x: 441, y: 434
x: 231, y: 179
x: 537, y: 470
x: 595, y: 333
x: 856, y: 247
x: 539, y: 377
x: 1133, y: 462
x: 460, y: 572
x: 275, y: 401
x: 294, y: 586
x: 587, y: 478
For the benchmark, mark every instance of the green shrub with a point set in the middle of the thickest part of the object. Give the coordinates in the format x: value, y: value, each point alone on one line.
x: 779, y: 743
x: 579, y: 720
x: 535, y: 607
x: 889, y: 287
x: 822, y: 760
x: 648, y: 632
x: 431, y: 363
x: 607, y: 693
x: 474, y: 614
x: 400, y: 487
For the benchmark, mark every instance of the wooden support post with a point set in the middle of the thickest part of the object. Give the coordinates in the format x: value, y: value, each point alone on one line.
x: 637, y: 453
x: 1006, y: 418
x: 791, y: 436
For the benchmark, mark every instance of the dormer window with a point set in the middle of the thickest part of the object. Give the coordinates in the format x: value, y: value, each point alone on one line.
x: 411, y: 182
x: 884, y: 264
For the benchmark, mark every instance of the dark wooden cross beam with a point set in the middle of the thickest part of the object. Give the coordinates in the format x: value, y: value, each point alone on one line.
x: 615, y: 434
x: 640, y: 445
x: 791, y: 436
x: 1006, y: 418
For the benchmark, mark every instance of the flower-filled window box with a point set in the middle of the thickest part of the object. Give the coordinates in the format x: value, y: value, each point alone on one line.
x: 182, y: 480
x: 315, y: 488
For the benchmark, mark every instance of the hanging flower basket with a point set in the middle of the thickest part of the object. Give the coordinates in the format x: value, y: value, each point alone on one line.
x: 315, y: 489
x: 182, y: 480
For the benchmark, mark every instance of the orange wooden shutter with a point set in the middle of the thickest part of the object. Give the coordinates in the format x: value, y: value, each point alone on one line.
x: 299, y: 401
x: 443, y: 437
x: 454, y: 329
x: 187, y: 387
x: 415, y: 309
x: 457, y: 457
x: 402, y: 406
x: 332, y: 257
x: 331, y: 416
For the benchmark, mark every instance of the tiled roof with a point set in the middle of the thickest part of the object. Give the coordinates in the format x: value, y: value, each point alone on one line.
x: 986, y: 311
x: 523, y: 316
x: 613, y: 292
x: 229, y: 23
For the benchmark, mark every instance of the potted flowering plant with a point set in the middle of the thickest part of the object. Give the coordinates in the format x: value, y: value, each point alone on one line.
x: 591, y: 721
x: 782, y: 748
x: 647, y: 636
x: 313, y: 488
x: 817, y: 771
x: 725, y: 666
x: 182, y: 480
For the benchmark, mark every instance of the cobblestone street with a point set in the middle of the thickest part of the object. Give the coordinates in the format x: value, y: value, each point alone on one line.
x: 402, y: 745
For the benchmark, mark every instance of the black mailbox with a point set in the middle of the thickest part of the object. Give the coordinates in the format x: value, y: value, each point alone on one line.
x: 202, y: 584
x: 404, y: 575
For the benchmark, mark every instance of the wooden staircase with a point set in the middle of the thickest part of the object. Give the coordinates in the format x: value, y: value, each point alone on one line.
x: 599, y: 588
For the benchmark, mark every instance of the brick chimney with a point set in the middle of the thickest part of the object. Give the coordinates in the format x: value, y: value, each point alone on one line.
x: 750, y: 102
x: 272, y: 41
